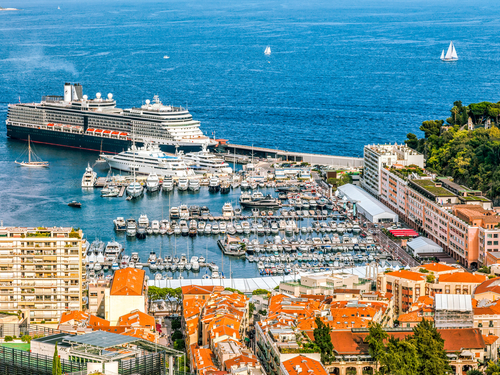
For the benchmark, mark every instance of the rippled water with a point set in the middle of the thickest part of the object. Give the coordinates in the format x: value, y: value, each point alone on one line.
x: 340, y: 76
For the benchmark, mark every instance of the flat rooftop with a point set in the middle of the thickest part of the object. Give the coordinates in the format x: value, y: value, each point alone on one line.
x: 430, y: 186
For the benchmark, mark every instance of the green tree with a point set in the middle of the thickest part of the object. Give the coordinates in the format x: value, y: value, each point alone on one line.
x: 432, y: 127
x: 323, y: 340
x: 430, y: 349
x: 56, y: 363
x: 412, y: 141
x: 260, y: 291
x: 376, y: 341
x: 475, y: 372
x: 179, y: 345
x: 400, y: 358
x: 251, y: 308
x: 26, y: 338
x: 493, y: 369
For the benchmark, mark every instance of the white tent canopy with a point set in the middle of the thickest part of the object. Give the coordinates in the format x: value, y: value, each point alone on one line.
x: 423, y: 245
x: 367, y: 205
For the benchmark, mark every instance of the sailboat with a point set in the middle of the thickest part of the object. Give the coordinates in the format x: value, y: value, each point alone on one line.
x: 451, y: 54
x: 267, y: 51
x: 101, y: 159
x: 134, y: 189
x: 36, y: 162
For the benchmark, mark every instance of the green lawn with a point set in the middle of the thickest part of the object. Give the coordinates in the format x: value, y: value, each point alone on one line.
x: 16, y: 345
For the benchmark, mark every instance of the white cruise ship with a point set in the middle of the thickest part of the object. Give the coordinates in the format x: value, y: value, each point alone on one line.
x: 147, y: 160
x: 89, y: 177
x: 205, y: 162
x: 96, y: 124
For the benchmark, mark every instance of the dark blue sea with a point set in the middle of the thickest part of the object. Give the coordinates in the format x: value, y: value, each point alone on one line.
x: 341, y: 75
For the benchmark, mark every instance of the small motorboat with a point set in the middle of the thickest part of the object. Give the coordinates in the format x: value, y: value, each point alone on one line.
x: 75, y: 204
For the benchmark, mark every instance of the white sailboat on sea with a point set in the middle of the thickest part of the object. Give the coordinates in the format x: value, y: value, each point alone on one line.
x: 267, y: 51
x: 36, y: 162
x: 451, y: 54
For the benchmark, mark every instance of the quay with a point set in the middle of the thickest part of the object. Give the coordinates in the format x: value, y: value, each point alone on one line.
x: 262, y: 152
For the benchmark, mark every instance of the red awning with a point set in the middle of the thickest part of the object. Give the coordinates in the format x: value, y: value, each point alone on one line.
x: 90, y: 130
x: 403, y: 233
x: 98, y: 130
x: 123, y: 133
x: 50, y: 124
x: 115, y: 133
x: 107, y: 131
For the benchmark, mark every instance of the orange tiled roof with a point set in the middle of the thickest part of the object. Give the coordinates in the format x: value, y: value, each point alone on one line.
x: 128, y: 282
x: 306, y: 366
x: 491, y: 285
x: 241, y: 360
x: 462, y: 277
x: 491, y: 309
x: 225, y: 331
x: 200, y: 289
x: 490, y: 339
x: 203, y: 359
x: 414, y: 316
x: 76, y: 315
x: 137, y: 318
x: 96, y: 322
x: 437, y: 267
x: 141, y: 333
x: 410, y: 275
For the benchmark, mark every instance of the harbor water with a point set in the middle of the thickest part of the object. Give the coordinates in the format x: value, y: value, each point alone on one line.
x: 339, y: 77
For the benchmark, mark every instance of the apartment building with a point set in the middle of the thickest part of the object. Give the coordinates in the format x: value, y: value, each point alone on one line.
x: 407, y: 286
x: 323, y: 284
x: 377, y: 157
x: 458, y: 219
x: 41, y: 271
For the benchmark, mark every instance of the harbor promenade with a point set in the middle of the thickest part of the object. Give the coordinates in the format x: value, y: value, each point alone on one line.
x: 262, y: 152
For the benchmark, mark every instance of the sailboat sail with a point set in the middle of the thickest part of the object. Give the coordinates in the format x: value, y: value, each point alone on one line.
x: 442, y: 55
x: 451, y: 54
x: 267, y: 51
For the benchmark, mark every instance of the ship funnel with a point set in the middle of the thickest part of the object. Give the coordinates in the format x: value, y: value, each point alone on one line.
x: 67, y: 92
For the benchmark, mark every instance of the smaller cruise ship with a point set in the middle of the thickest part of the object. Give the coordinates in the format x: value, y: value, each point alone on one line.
x: 206, y: 162
x: 89, y: 177
x: 148, y: 159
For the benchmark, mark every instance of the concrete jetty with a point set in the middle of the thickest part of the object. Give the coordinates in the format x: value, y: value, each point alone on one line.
x: 262, y: 152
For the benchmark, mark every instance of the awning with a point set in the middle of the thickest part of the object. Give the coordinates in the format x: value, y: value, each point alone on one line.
x: 403, y: 233
x: 466, y: 353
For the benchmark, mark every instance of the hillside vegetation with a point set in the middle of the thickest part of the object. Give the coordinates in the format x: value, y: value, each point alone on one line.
x: 471, y: 157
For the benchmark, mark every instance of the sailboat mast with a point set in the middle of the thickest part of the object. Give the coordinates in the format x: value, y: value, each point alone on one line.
x: 29, y: 150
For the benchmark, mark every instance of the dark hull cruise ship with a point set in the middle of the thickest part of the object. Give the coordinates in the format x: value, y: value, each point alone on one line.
x: 97, y: 124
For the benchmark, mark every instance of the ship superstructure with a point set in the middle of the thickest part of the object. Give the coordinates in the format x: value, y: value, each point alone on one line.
x: 74, y: 120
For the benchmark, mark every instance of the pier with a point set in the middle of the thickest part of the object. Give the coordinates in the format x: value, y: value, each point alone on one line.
x: 262, y: 152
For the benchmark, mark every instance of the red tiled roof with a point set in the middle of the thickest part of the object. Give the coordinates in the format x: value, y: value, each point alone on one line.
x: 128, y: 282
x: 462, y: 277
x: 76, y: 315
x: 199, y: 289
x: 304, y: 365
x: 137, y: 318
x: 490, y: 339
x: 437, y: 267
x: 410, y: 275
x: 492, y: 285
x: 414, y: 316
x: 96, y: 322
x: 241, y: 360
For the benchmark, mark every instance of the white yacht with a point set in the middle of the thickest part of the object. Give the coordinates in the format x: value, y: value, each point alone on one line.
x: 143, y: 221
x: 152, y: 182
x: 183, y: 184
x: 168, y: 184
x: 134, y: 189
x: 206, y: 162
x: 149, y: 159
x: 89, y: 177
x: 194, y: 184
x: 227, y: 210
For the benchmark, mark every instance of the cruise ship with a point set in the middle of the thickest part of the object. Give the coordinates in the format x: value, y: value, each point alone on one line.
x: 148, y: 159
x: 205, y: 162
x: 74, y: 120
